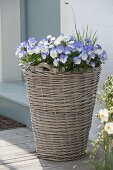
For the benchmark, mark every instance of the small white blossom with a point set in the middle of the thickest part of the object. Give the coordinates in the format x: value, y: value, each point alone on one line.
x: 49, y: 36
x: 104, y: 115
x: 109, y: 128
x: 53, y: 53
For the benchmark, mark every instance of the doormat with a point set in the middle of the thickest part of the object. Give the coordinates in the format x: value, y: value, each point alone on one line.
x: 7, y: 123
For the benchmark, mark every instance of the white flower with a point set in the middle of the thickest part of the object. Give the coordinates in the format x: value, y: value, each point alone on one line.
x: 66, y: 38
x: 109, y: 128
x: 103, y: 115
x: 51, y: 46
x: 56, y: 62
x: 53, y: 38
x: 84, y: 57
x: 49, y: 36
x: 43, y: 56
x: 57, y: 42
x: 70, y: 42
x: 53, y: 53
x: 36, y: 50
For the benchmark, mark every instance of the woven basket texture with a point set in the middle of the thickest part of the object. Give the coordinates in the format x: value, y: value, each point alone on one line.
x: 61, y: 107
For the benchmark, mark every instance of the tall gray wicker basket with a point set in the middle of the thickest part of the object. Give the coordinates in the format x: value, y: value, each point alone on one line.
x: 61, y: 106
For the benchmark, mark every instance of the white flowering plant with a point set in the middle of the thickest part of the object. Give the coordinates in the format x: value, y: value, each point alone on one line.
x: 66, y: 53
x: 102, y: 157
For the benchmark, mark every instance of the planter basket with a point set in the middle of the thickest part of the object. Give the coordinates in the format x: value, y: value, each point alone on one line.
x: 61, y: 106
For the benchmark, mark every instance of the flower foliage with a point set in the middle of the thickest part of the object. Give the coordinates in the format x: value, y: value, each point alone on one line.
x: 64, y: 52
x: 102, y: 158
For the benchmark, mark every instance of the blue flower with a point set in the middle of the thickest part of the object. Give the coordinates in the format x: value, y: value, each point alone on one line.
x: 89, y: 48
x: 24, y: 44
x: 98, y: 46
x: 22, y: 53
x: 44, y: 49
x: 60, y: 49
x: 88, y: 40
x: 32, y: 41
x: 83, y: 56
x: 92, y: 55
x: 56, y: 62
x: 67, y: 50
x: 103, y: 56
x: 30, y: 50
x: 63, y: 58
x: 77, y: 60
x: 78, y: 46
x: 53, y: 53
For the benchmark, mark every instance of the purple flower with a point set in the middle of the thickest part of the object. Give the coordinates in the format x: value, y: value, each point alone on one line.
x: 98, y: 46
x: 67, y: 50
x: 56, y: 62
x: 63, y: 58
x: 60, y: 49
x: 44, y: 49
x: 103, y: 56
x: 30, y: 50
x: 24, y: 44
x: 78, y: 46
x: 89, y: 48
x: 22, y: 53
x: 83, y: 56
x: 92, y: 55
x: 77, y: 60
x: 88, y: 40
x: 32, y: 41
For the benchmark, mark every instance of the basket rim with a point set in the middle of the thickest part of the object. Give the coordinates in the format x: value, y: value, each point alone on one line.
x: 31, y: 71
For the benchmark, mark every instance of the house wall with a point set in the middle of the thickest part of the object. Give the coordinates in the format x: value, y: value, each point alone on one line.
x: 98, y: 15
x: 43, y: 18
x: 10, y: 38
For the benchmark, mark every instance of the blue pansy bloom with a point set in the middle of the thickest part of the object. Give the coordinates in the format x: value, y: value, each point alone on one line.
x: 78, y: 46
x: 83, y: 56
x: 44, y: 49
x: 103, y: 56
x: 92, y: 55
x: 30, y: 50
x: 98, y: 46
x: 32, y: 41
x: 77, y: 60
x: 88, y: 40
x: 63, y: 58
x: 22, y: 53
x: 56, y: 62
x: 67, y: 50
x: 24, y: 44
x: 72, y: 38
x: 60, y: 49
x: 36, y: 50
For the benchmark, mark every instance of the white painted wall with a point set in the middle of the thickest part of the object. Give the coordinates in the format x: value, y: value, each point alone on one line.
x: 98, y: 14
x: 10, y: 39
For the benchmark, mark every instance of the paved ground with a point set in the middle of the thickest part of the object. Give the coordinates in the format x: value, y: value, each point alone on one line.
x: 17, y: 152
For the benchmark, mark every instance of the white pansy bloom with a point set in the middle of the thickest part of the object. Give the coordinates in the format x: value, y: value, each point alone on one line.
x: 98, y: 51
x: 70, y: 42
x: 56, y: 62
x: 57, y: 42
x: 49, y: 36
x: 104, y: 115
x: 84, y: 57
x: 36, y: 50
x: 43, y: 56
x: 66, y: 38
x: 109, y: 128
x: 51, y: 46
x: 53, y: 38
x: 53, y: 54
